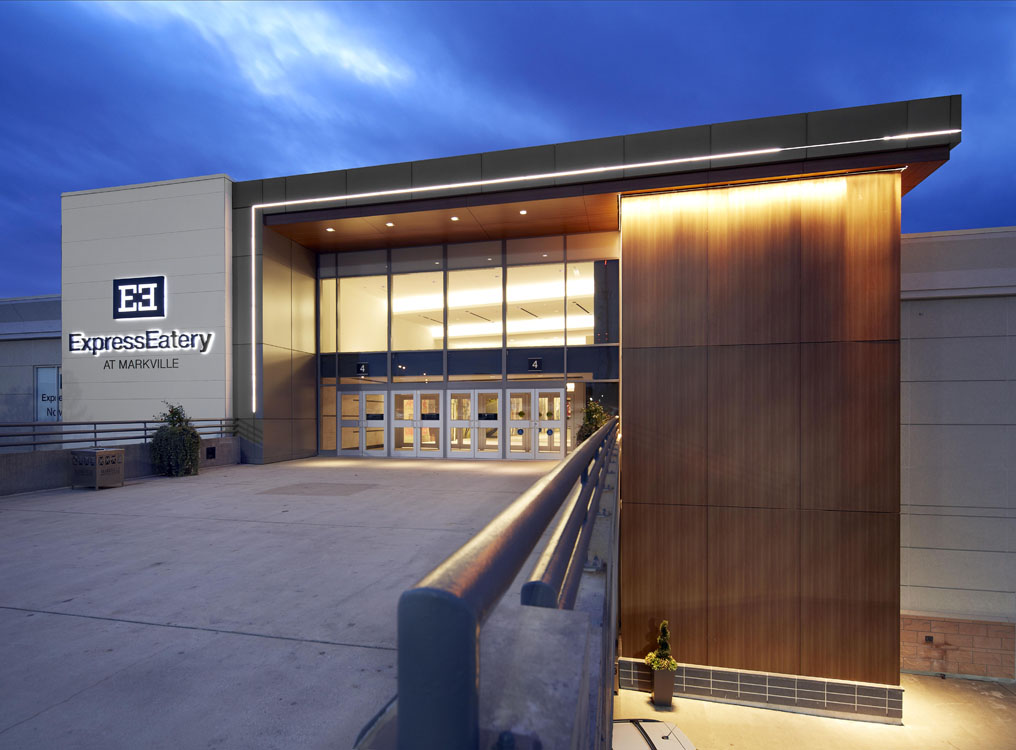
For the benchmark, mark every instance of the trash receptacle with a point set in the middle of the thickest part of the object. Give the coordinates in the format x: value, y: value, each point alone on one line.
x: 97, y: 467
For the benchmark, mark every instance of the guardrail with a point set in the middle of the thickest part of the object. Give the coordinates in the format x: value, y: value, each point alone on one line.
x: 439, y: 619
x: 555, y: 579
x: 96, y: 433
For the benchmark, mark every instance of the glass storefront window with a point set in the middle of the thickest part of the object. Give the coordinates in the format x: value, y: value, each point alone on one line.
x: 418, y: 311
x: 475, y: 255
x: 482, y: 364
x: 580, y: 286
x: 363, y: 314
x: 593, y: 303
x: 593, y: 362
x: 535, y: 250
x: 360, y: 368
x: 535, y: 364
x: 474, y: 309
x: 535, y: 305
x: 326, y: 419
x: 417, y: 367
x: 594, y: 246
x: 326, y: 316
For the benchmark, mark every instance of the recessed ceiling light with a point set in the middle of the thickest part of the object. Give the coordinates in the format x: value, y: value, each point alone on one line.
x: 389, y: 224
x: 523, y: 212
x: 544, y: 255
x: 329, y: 229
x: 455, y: 218
x: 437, y: 263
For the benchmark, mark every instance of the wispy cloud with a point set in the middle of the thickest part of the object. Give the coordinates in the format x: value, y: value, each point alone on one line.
x: 275, y: 45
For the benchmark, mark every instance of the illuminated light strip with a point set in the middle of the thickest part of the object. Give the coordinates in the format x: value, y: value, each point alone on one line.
x: 522, y: 178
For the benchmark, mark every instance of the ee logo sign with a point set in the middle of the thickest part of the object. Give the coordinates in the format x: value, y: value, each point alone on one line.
x: 141, y: 297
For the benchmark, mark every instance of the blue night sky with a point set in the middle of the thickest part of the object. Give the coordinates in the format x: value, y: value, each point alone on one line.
x: 100, y: 94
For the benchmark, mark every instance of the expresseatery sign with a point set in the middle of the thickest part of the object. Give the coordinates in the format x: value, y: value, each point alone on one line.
x: 142, y: 297
x: 152, y: 340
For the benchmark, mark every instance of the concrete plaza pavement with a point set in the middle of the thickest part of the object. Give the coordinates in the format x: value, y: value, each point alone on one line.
x: 248, y: 607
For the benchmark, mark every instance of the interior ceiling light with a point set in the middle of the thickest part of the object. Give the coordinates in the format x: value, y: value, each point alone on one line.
x: 329, y: 229
x: 523, y: 212
x: 521, y: 178
x: 389, y: 224
x: 455, y: 218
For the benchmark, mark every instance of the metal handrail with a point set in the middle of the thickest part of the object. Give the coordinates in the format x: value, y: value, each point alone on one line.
x: 554, y: 581
x: 125, y: 431
x: 439, y: 619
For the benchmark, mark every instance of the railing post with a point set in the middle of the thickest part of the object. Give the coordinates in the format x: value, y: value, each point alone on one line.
x: 439, y: 672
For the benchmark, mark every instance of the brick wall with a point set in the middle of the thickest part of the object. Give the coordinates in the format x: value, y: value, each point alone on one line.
x: 960, y: 647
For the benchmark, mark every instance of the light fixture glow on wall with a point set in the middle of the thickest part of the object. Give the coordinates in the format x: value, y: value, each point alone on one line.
x: 521, y: 178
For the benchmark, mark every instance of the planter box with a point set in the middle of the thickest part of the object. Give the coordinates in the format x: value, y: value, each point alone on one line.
x: 97, y: 467
x: 663, y: 687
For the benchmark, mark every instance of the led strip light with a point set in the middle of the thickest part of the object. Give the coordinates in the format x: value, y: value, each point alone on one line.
x: 508, y: 181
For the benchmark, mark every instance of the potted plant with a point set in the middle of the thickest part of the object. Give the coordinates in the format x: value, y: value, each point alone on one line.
x: 663, y: 665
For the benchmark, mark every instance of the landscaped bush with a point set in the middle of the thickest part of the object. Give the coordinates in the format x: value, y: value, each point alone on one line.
x: 176, y: 445
x: 593, y: 418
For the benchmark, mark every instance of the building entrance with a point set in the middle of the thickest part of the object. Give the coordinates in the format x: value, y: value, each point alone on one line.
x: 363, y: 427
x: 474, y: 424
x: 535, y: 423
x: 485, y: 423
x: 417, y: 424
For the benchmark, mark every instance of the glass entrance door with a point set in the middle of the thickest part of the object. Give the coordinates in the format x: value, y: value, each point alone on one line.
x: 375, y: 428
x: 536, y: 423
x: 349, y: 424
x: 417, y: 424
x: 489, y: 432
x: 474, y: 424
x: 549, y: 442
x: 461, y: 420
x: 430, y: 445
x: 520, y: 424
x: 362, y: 424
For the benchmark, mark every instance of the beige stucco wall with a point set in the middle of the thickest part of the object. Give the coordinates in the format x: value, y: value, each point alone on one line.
x: 958, y: 424
x: 179, y: 229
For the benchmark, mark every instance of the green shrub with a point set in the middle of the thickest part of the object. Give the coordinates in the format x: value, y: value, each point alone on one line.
x: 593, y: 418
x: 176, y: 445
x: 661, y: 657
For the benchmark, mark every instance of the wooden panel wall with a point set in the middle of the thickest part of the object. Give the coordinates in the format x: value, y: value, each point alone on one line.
x: 754, y: 589
x: 676, y: 424
x: 667, y: 266
x: 850, y: 595
x: 754, y: 419
x: 672, y: 578
x: 760, y: 379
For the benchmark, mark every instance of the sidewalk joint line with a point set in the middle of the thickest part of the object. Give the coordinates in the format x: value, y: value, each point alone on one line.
x: 198, y: 628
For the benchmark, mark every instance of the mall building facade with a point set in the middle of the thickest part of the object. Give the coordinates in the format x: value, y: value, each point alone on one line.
x: 732, y: 290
